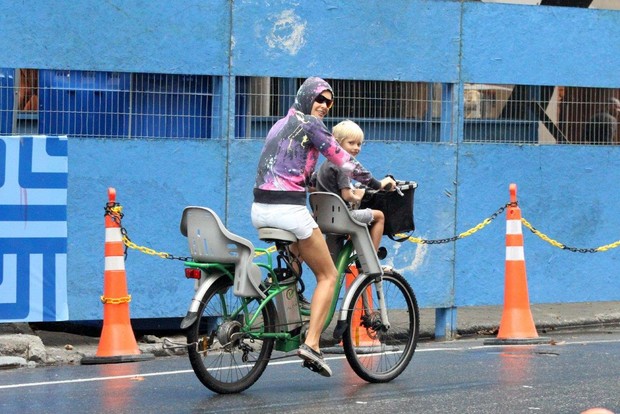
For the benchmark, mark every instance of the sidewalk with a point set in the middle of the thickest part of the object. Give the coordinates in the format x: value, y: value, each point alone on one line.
x: 22, y: 346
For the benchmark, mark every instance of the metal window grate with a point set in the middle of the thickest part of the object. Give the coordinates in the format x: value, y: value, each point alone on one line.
x: 153, y: 106
x: 387, y: 111
x: 525, y: 114
x: 107, y: 104
x: 590, y: 115
x: 171, y: 106
x: 494, y: 114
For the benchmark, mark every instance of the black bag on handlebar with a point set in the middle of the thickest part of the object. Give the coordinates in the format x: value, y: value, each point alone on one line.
x: 397, y: 208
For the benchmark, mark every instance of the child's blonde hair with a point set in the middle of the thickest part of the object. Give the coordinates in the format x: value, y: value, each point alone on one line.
x: 347, y: 129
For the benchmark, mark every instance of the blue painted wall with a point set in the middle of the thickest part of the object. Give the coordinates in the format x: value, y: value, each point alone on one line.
x: 132, y: 36
x: 539, y: 45
x: 565, y: 191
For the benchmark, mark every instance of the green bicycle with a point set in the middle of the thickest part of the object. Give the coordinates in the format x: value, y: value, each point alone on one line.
x: 243, y: 309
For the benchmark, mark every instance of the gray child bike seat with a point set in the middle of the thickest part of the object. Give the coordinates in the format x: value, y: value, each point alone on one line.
x: 211, y: 242
x: 333, y: 217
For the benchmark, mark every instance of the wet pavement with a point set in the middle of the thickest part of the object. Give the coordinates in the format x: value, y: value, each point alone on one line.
x: 32, y: 345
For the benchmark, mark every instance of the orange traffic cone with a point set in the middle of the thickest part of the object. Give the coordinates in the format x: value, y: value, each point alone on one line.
x: 517, y: 325
x: 358, y: 332
x: 117, y: 342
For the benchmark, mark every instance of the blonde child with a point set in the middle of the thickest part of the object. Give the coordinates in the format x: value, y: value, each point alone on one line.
x: 331, y: 178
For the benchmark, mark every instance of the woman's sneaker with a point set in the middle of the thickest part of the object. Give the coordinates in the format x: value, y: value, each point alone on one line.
x: 314, y: 360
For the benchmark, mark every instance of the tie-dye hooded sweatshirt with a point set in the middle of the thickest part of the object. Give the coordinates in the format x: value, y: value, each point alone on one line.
x: 291, y: 152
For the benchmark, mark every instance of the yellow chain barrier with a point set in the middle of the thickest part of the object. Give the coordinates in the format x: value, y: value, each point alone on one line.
x: 527, y: 224
x: 565, y: 247
x: 116, y: 210
x: 608, y: 246
x: 474, y: 229
x: 462, y: 235
x: 116, y: 301
x: 144, y: 249
x: 541, y: 235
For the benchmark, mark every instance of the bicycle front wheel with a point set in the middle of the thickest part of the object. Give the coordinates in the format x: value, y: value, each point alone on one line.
x: 226, y: 353
x: 379, y: 350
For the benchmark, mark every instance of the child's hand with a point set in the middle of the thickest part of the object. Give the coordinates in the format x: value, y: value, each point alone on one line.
x: 389, y: 183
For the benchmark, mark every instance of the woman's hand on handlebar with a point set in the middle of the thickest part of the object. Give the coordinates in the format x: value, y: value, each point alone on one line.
x: 388, y: 184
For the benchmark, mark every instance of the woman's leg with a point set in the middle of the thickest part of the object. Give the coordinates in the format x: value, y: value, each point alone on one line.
x: 315, y: 253
x: 303, y: 302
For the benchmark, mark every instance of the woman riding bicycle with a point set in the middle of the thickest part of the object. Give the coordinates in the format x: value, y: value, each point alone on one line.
x: 287, y: 161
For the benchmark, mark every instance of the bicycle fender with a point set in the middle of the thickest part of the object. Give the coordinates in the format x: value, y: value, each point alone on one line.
x: 192, y: 313
x: 341, y: 324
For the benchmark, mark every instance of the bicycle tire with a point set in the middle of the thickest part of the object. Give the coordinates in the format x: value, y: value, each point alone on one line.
x: 235, y: 365
x: 376, y: 353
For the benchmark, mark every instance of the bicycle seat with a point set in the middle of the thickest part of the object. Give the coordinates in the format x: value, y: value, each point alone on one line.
x: 211, y: 242
x: 273, y: 234
x: 332, y: 216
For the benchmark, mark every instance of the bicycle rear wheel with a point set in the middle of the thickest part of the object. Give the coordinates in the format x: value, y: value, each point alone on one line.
x: 224, y: 354
x: 376, y: 351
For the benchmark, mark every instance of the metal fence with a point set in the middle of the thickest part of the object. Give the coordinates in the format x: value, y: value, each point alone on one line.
x: 159, y: 106
x: 386, y: 111
x: 525, y: 114
x: 107, y: 104
x: 425, y: 112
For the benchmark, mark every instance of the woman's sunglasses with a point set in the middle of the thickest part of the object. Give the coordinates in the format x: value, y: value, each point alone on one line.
x: 323, y: 100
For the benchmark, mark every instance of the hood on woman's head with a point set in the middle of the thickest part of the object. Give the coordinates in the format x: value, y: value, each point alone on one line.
x: 308, y: 91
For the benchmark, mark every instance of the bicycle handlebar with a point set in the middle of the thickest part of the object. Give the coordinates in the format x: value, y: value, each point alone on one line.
x: 400, y: 187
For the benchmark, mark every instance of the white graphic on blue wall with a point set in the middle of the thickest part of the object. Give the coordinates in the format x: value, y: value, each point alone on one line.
x: 33, y: 229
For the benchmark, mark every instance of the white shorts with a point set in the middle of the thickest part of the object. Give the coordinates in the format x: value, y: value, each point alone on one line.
x: 294, y: 218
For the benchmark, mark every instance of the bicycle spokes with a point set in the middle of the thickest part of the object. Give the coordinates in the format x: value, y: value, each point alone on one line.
x: 377, y: 348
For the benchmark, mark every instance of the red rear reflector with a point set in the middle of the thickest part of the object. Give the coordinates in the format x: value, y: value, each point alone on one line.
x: 192, y: 273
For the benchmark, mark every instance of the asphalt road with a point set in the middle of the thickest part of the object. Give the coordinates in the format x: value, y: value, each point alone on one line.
x: 580, y: 370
